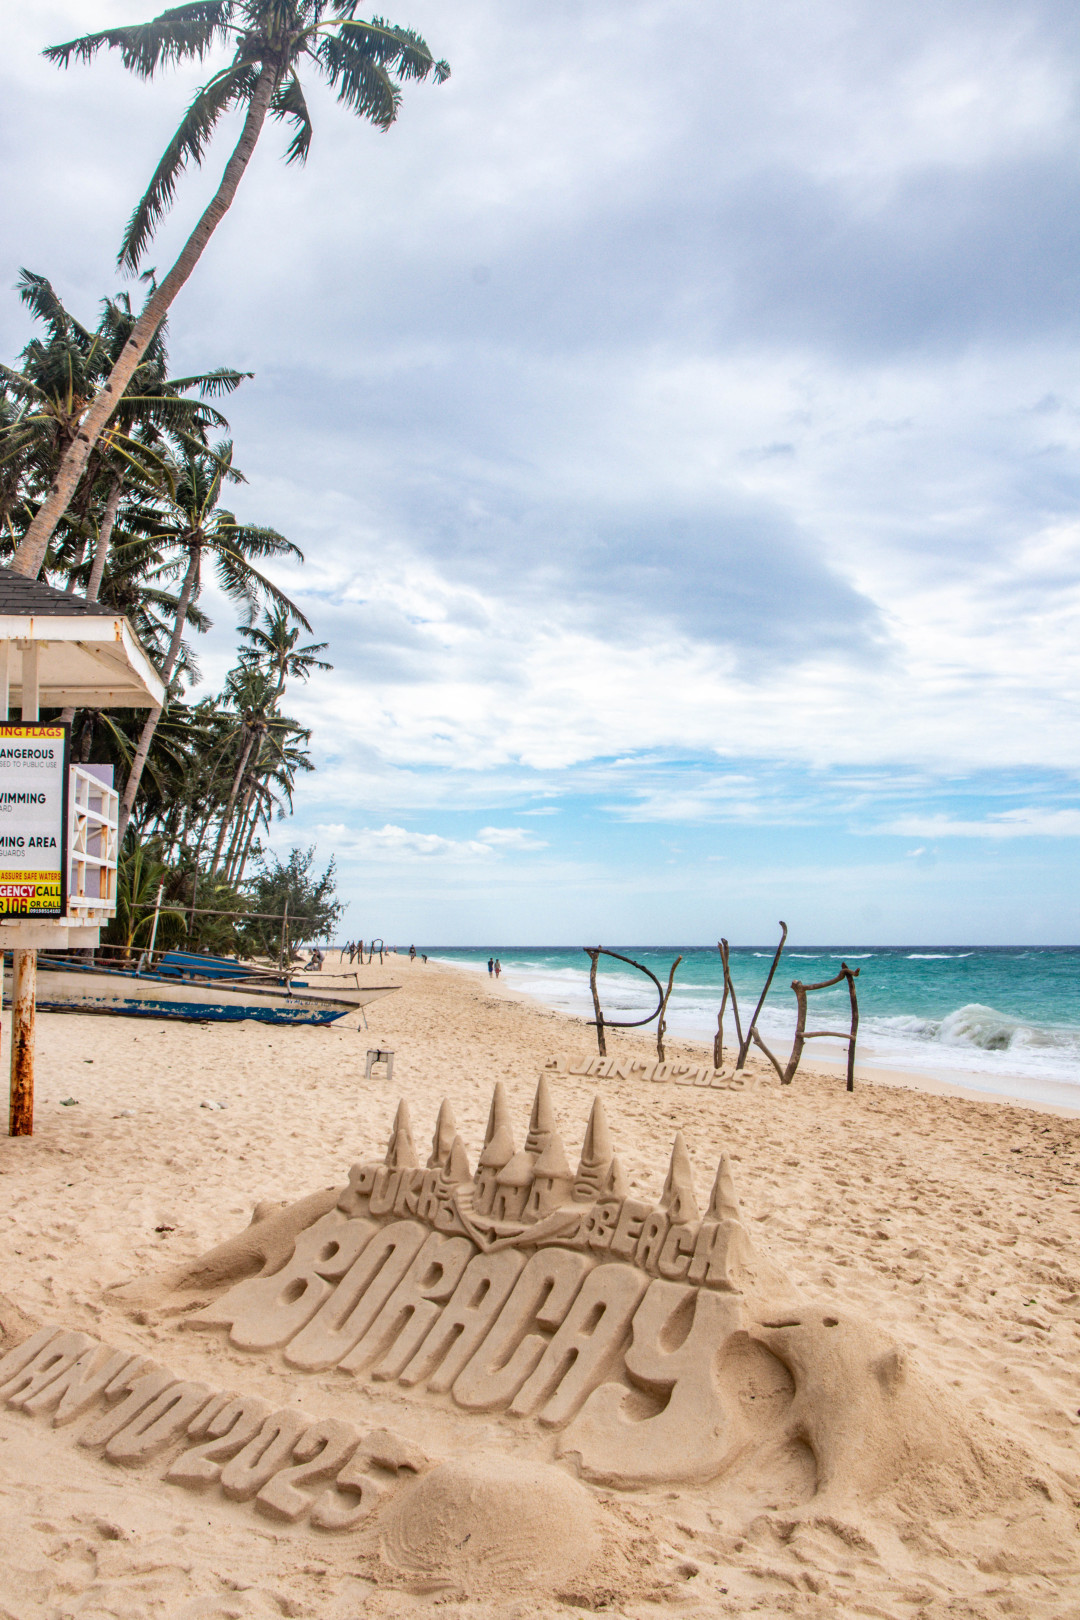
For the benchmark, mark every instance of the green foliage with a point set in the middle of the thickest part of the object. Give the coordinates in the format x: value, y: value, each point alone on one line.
x: 312, y: 909
x: 365, y: 63
x: 44, y: 398
x: 139, y: 872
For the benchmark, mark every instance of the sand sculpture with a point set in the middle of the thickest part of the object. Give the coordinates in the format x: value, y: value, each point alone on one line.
x: 650, y: 1340
x: 629, y: 1342
x: 288, y: 1465
x: 673, y: 1073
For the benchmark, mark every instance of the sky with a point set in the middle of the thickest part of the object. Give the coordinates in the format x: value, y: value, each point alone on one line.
x: 679, y: 412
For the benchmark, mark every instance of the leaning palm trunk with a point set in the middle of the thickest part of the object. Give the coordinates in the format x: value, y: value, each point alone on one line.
x: 101, y: 552
x: 31, y: 553
x: 146, y: 736
x: 238, y: 876
x: 237, y: 841
x: 104, y: 538
x: 227, y: 813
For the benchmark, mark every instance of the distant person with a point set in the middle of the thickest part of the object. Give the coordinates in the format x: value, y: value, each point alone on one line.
x: 412, y: 953
x: 491, y: 966
x: 345, y: 948
x: 423, y: 958
x: 498, y: 967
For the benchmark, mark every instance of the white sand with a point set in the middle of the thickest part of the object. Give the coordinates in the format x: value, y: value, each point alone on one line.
x: 949, y: 1220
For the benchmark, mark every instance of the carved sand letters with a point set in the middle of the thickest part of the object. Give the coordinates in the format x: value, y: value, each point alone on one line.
x: 677, y: 1335
x: 529, y: 1288
x: 676, y: 1073
x: 290, y: 1466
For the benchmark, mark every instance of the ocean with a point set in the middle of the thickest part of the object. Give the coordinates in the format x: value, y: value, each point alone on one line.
x: 1005, y: 1019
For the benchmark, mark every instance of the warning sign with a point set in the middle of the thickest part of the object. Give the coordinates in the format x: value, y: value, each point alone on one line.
x: 33, y: 820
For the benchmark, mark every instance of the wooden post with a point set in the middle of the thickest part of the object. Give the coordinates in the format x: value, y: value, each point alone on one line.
x: 30, y: 680
x: 24, y: 976
x: 285, y: 935
x: 157, y: 914
x: 24, y: 963
x: 5, y: 680
x: 594, y: 957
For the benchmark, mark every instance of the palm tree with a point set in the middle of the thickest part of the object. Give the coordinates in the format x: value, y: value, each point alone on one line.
x: 273, y: 647
x: 187, y: 524
x: 139, y: 877
x: 364, y: 62
x: 60, y: 373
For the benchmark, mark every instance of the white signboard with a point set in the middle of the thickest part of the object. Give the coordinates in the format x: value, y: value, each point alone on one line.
x: 33, y: 820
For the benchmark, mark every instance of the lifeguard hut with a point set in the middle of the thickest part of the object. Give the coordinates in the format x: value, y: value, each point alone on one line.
x: 58, y: 821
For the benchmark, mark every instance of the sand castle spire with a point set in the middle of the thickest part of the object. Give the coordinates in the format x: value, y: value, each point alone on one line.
x: 498, y: 1150
x: 615, y: 1184
x: 498, y: 1146
x: 724, y: 1205
x: 401, y: 1154
x: 443, y: 1140
x: 455, y: 1172
x: 678, y: 1197
x: 541, y: 1120
x: 551, y: 1180
x: 596, y: 1156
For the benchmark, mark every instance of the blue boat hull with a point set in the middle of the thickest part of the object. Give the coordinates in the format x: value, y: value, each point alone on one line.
x: 196, y: 1012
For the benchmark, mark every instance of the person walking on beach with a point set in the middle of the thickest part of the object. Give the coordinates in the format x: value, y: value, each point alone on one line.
x: 498, y: 967
x: 412, y: 953
x: 491, y: 966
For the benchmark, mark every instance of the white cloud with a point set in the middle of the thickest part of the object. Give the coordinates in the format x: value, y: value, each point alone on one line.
x: 1024, y: 823
x: 401, y: 843
x: 510, y: 838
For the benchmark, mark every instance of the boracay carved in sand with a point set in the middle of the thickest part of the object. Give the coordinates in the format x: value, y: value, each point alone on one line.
x: 640, y: 1342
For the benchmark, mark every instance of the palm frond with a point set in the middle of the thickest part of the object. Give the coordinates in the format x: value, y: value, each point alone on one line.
x: 212, y: 384
x: 362, y: 84
x: 289, y: 103
x: 243, y: 582
x: 43, y: 301
x: 179, y: 33
x: 189, y: 143
x: 401, y: 49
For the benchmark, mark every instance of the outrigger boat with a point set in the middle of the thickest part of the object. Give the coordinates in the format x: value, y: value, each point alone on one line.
x: 199, y: 989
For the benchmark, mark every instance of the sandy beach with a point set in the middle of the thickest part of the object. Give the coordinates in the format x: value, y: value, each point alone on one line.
x: 946, y: 1220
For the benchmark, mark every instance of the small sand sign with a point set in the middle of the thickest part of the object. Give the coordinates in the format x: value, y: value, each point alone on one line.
x: 33, y: 819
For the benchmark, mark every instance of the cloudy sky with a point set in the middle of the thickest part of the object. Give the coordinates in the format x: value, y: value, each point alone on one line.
x: 679, y: 411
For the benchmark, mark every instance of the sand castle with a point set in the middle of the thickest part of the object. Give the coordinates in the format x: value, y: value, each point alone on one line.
x: 633, y: 1343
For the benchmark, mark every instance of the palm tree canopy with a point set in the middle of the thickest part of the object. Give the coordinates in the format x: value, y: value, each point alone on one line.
x: 363, y: 62
x: 273, y: 647
x: 63, y: 369
x: 187, y: 524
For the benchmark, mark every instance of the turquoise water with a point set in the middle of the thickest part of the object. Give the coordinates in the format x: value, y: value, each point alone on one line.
x: 1006, y: 1019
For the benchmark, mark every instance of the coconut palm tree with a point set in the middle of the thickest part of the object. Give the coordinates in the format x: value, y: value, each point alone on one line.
x: 364, y: 62
x: 60, y: 373
x: 189, y: 527
x: 273, y: 648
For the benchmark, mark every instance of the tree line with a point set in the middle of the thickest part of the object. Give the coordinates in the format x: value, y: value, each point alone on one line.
x: 116, y: 479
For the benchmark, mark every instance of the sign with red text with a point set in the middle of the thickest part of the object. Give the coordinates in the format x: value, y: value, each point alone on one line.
x: 33, y: 820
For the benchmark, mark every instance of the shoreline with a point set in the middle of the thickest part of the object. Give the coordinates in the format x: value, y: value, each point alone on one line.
x: 866, y: 1073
